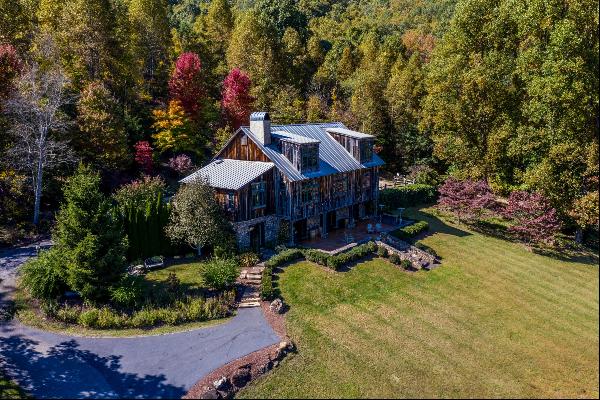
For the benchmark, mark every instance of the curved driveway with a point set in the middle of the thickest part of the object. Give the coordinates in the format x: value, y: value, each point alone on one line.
x: 53, y: 365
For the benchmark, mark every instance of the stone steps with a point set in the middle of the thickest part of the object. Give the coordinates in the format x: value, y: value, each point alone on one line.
x: 250, y: 297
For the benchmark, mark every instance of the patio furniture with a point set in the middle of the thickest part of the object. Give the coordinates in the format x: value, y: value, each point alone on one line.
x: 349, y: 238
x: 378, y: 227
x: 369, y: 228
x: 154, y: 262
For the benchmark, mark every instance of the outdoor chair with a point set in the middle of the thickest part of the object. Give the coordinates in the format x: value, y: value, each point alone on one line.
x: 369, y: 228
x: 378, y: 227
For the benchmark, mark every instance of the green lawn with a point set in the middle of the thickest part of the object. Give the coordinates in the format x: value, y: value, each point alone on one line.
x: 496, y: 320
x: 189, y: 274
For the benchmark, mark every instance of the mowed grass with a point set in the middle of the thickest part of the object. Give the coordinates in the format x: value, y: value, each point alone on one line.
x: 496, y: 320
x: 189, y: 274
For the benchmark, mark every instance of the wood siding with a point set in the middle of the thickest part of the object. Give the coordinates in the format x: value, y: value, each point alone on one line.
x: 249, y: 151
x: 242, y: 209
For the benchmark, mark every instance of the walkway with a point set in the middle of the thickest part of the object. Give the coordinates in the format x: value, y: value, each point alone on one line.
x: 167, y: 366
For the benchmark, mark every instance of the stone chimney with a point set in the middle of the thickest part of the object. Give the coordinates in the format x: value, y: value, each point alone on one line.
x: 260, y: 126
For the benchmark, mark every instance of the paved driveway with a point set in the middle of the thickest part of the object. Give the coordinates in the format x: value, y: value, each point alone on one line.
x: 53, y: 365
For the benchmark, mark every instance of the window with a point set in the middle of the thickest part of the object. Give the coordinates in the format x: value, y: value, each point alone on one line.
x: 259, y: 198
x: 366, y: 151
x: 309, y: 191
x: 366, y: 180
x: 230, y: 201
x: 244, y: 140
x: 310, y: 158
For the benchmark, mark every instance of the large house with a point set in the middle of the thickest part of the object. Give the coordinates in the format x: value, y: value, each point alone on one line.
x: 288, y: 183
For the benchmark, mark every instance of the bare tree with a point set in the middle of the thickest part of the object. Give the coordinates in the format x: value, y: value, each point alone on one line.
x: 37, y: 117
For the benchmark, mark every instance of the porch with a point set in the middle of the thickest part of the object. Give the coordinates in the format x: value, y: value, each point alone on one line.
x: 340, y: 239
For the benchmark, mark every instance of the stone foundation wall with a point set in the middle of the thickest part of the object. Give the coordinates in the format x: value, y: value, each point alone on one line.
x: 242, y: 230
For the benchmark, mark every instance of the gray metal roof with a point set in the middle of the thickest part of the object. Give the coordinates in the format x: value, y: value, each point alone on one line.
x: 230, y: 174
x: 290, y: 137
x: 333, y: 157
x: 351, y: 133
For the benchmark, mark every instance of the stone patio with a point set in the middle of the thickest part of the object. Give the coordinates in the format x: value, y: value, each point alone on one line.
x: 337, y: 239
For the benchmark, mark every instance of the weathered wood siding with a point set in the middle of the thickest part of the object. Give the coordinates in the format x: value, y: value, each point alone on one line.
x: 242, y: 209
x: 237, y: 150
x: 332, y: 192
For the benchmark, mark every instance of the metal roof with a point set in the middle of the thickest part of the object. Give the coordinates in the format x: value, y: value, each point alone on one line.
x: 290, y: 137
x: 347, y: 132
x: 230, y: 174
x: 333, y: 157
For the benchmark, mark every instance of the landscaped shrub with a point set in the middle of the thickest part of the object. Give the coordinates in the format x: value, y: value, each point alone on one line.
x: 248, y: 259
x: 411, y: 231
x: 316, y: 256
x: 406, y: 264
x: 45, y: 276
x: 427, y: 249
x: 191, y: 309
x: 220, y: 273
x: 356, y: 253
x: 89, y: 318
x: 267, y: 292
x: 283, y: 257
x: 395, y: 259
x: 382, y: 251
x: 129, y: 292
x: 407, y: 196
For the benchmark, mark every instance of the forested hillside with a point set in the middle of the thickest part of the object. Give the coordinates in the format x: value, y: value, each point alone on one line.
x: 504, y: 90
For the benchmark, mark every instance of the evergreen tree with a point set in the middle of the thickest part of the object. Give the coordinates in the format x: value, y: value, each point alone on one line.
x: 90, y: 237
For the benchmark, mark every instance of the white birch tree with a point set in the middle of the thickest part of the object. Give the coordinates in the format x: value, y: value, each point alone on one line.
x: 36, y: 118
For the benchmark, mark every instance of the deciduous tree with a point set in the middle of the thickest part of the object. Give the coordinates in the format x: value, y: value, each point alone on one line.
x: 196, y: 218
x: 236, y: 100
x: 143, y: 156
x: 467, y: 199
x: 174, y: 130
x: 36, y: 112
x: 185, y: 85
x: 102, y: 139
x: 535, y: 220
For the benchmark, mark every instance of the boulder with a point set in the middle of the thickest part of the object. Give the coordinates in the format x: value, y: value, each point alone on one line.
x: 221, y: 383
x: 241, y: 377
x: 276, y: 306
x: 210, y: 393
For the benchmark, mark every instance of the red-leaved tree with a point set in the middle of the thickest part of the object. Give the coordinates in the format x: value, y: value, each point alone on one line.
x: 236, y: 101
x: 535, y: 220
x: 185, y: 84
x: 143, y: 156
x: 467, y: 199
x: 10, y: 67
x: 181, y: 163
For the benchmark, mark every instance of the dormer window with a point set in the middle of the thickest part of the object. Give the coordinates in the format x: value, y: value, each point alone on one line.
x: 366, y: 151
x: 310, y: 158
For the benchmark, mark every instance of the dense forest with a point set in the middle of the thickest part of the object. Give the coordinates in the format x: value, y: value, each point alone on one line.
x: 504, y: 91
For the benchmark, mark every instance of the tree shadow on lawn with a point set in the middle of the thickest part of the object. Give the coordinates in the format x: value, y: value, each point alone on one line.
x: 66, y: 371
x: 499, y: 231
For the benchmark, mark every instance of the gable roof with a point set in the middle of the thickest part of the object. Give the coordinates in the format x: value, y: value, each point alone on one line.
x: 290, y: 137
x: 229, y: 174
x: 333, y: 157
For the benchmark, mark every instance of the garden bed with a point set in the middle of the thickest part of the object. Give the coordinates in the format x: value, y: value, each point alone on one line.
x: 174, y: 298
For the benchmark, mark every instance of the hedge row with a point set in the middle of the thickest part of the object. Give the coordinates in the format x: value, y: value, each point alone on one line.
x: 407, y: 196
x: 335, y: 262
x: 267, y: 291
x: 410, y: 231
